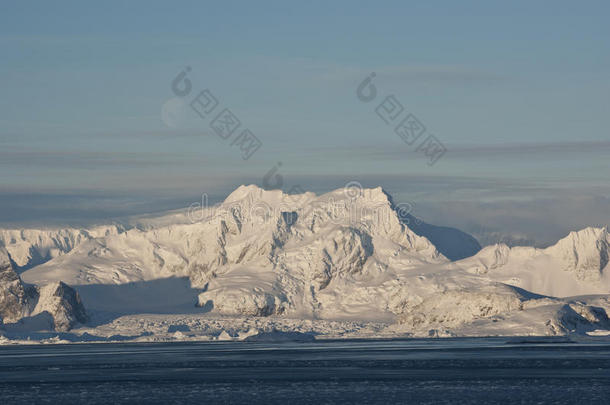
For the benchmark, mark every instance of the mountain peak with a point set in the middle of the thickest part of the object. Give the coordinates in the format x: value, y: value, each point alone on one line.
x: 354, y: 193
x: 377, y: 194
x: 585, y: 252
x: 585, y: 236
x: 243, y: 191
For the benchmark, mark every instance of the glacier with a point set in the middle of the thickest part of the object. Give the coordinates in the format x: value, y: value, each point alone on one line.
x: 348, y: 263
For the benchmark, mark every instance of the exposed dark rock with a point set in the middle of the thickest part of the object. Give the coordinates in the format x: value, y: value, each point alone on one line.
x: 20, y: 302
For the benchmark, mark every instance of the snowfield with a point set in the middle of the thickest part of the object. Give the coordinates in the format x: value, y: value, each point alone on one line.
x: 349, y: 263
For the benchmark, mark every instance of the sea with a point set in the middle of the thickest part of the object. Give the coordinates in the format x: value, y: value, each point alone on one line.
x: 419, y: 371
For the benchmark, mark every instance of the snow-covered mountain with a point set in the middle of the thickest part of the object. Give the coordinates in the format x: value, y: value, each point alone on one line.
x: 30, y: 247
x: 348, y: 255
x: 261, y: 252
x: 576, y: 265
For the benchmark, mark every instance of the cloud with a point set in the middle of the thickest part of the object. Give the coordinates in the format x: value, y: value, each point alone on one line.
x: 514, y: 211
x: 442, y: 74
x: 538, y: 221
x: 492, y: 210
x: 519, y: 149
x: 439, y: 73
x: 324, y: 72
x: 399, y: 150
x: 83, y: 159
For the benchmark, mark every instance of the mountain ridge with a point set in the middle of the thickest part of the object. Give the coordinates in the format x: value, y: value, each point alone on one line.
x: 351, y: 254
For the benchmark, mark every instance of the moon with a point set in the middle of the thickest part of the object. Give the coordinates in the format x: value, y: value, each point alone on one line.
x: 174, y: 112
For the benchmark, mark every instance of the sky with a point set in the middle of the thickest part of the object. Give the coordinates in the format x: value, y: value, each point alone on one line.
x: 518, y: 93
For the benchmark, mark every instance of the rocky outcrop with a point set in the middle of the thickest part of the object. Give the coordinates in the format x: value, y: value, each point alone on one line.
x: 63, y: 303
x: 18, y: 302
x: 14, y: 297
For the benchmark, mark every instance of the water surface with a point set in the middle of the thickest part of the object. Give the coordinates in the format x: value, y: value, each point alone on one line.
x: 453, y: 371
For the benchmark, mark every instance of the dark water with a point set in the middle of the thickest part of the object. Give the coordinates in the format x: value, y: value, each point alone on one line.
x: 456, y: 371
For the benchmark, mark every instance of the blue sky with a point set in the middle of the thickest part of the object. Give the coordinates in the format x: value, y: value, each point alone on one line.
x: 518, y: 92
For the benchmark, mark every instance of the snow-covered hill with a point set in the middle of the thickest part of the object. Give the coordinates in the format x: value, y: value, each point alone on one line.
x: 576, y: 265
x: 350, y: 255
